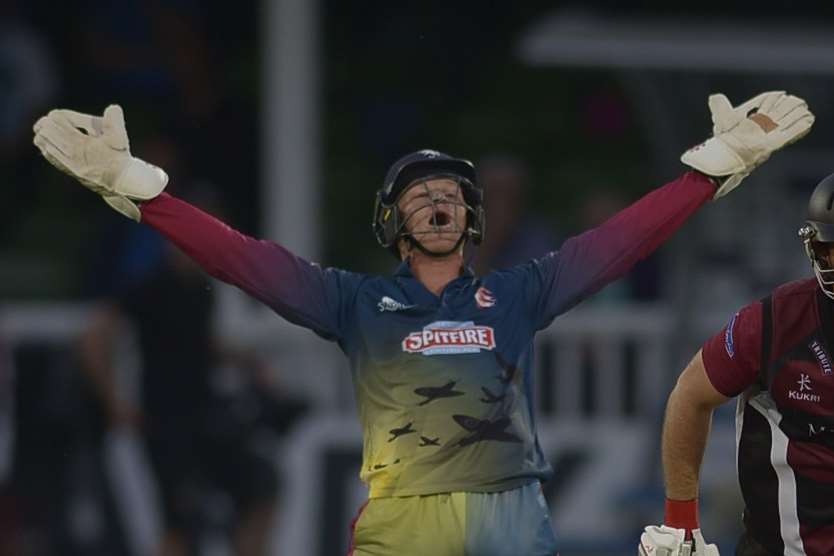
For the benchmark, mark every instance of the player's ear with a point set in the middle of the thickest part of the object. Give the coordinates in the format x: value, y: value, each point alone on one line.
x: 404, y: 247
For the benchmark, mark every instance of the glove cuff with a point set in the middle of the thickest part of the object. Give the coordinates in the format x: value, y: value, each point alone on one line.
x: 123, y: 205
x: 140, y: 181
x: 681, y: 514
x: 714, y: 158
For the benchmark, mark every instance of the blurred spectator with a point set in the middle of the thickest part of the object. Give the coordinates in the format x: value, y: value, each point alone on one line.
x: 148, y: 51
x: 28, y: 84
x: 27, y: 77
x: 159, y: 59
x: 513, y: 236
x: 200, y: 425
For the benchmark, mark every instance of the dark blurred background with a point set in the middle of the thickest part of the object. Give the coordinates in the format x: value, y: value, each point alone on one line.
x: 281, y: 117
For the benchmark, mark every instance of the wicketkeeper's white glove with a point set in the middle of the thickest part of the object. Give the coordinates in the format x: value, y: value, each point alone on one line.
x: 746, y: 135
x: 95, y: 151
x: 659, y: 540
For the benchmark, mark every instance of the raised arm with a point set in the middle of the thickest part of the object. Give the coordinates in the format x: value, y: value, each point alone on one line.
x: 587, y: 262
x: 95, y: 151
x: 744, y: 137
x: 300, y: 291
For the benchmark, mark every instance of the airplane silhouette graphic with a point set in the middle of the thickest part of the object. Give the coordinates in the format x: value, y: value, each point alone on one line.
x: 509, y: 370
x: 490, y: 397
x: 426, y: 441
x: 398, y: 432
x: 379, y: 466
x: 432, y: 393
x: 484, y: 429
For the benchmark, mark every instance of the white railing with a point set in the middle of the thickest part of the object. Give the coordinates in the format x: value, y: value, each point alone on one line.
x: 596, y: 362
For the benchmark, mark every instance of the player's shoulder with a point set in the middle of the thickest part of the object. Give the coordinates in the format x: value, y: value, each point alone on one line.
x: 505, y: 282
x: 794, y: 307
x: 346, y: 278
x: 522, y: 271
x: 786, y: 300
x: 795, y: 290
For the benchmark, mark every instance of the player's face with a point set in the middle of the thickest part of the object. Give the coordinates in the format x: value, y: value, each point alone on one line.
x: 824, y: 252
x: 434, y: 213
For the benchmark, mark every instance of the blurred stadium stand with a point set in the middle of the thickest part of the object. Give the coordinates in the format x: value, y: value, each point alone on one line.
x: 295, y: 108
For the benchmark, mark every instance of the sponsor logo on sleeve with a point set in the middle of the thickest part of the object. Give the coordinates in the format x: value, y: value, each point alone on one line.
x: 450, y: 337
x: 728, y: 337
x: 822, y: 356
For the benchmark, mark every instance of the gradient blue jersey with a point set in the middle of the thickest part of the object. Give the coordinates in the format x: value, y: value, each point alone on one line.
x: 443, y: 384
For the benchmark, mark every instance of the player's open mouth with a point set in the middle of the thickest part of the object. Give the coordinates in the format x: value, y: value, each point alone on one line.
x: 440, y: 219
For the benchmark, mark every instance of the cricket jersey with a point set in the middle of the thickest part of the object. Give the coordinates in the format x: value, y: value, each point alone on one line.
x: 776, y: 354
x: 443, y: 383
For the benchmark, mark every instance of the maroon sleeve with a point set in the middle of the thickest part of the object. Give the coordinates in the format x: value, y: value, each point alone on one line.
x: 302, y: 292
x: 731, y: 357
x: 587, y: 262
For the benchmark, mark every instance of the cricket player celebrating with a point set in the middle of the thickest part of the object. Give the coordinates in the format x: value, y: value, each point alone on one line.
x: 775, y: 355
x: 441, y: 359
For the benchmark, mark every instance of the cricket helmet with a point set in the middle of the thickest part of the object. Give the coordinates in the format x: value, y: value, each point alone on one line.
x: 817, y: 230
x: 421, y: 166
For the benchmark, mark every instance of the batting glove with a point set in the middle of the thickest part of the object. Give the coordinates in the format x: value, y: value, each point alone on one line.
x: 746, y: 135
x: 95, y: 151
x: 659, y: 540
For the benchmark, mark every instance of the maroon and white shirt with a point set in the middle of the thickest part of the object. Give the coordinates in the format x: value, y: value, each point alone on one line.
x: 776, y: 354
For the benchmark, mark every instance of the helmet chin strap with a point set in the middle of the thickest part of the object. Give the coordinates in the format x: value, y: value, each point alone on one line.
x: 414, y: 242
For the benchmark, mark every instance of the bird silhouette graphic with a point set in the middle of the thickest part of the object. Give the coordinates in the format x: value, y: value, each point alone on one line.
x: 484, y: 429
x: 400, y: 431
x: 426, y: 441
x: 432, y: 393
x: 490, y: 397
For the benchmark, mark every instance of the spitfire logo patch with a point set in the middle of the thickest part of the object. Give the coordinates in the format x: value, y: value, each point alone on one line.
x: 484, y: 298
x: 450, y: 337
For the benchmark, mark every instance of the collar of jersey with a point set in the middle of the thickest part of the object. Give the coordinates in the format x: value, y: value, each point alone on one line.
x: 418, y: 292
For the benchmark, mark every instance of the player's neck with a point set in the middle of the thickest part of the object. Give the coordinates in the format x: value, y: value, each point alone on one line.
x: 435, y: 272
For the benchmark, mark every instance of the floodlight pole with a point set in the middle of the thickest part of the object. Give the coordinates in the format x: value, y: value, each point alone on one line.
x: 290, y: 111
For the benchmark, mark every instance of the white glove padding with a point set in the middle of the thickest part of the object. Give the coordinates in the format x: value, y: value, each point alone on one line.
x: 95, y: 151
x: 659, y: 540
x: 746, y: 136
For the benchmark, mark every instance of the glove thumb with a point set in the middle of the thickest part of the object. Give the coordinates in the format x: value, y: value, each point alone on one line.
x: 114, y: 130
x: 723, y: 115
x: 701, y: 546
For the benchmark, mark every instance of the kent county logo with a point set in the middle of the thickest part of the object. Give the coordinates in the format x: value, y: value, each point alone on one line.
x: 388, y: 304
x: 484, y: 298
x: 450, y: 337
x: 805, y: 393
